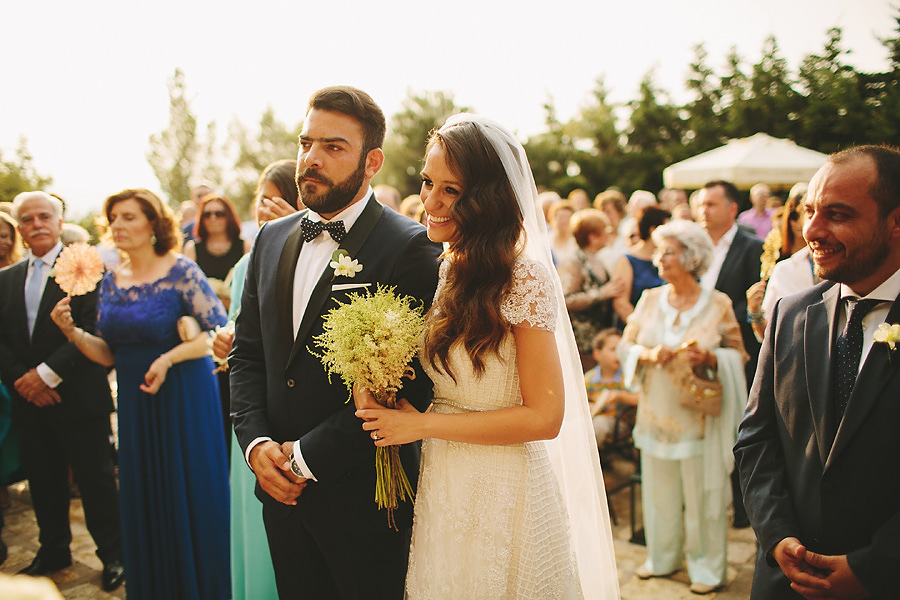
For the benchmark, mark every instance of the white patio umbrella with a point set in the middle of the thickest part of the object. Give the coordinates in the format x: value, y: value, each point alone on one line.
x: 759, y: 158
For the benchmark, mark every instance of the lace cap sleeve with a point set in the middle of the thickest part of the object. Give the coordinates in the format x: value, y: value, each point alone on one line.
x: 199, y: 299
x: 531, y: 301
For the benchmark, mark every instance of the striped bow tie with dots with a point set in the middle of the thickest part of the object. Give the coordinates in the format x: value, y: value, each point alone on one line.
x: 311, y: 229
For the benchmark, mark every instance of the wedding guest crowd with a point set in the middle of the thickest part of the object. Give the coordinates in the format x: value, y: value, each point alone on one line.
x: 692, y: 283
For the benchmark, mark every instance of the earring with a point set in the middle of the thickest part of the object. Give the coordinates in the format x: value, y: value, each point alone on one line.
x: 152, y: 239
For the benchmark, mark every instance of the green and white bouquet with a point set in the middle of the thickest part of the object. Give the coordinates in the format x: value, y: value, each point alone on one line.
x: 370, y: 341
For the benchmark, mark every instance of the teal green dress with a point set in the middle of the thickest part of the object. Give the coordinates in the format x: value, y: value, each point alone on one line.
x: 252, y: 575
x: 11, y: 468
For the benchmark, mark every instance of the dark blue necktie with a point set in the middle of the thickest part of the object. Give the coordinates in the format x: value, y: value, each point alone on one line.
x: 848, y: 354
x: 311, y: 229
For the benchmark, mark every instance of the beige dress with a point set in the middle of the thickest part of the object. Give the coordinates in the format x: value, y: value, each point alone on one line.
x: 489, y: 520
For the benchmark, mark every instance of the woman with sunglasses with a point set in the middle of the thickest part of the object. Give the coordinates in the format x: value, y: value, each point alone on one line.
x: 217, y: 243
x: 217, y: 246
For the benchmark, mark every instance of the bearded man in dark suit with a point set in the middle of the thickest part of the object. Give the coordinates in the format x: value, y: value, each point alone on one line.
x: 817, y: 449
x: 60, y: 400
x: 326, y: 535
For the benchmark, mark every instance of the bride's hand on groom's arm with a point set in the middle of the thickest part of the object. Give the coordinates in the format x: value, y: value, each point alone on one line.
x: 268, y: 463
x: 392, y: 426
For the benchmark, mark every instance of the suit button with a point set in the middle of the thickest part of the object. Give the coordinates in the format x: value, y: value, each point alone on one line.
x: 290, y: 382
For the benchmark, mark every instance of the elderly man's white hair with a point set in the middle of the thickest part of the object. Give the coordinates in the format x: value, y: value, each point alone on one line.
x: 760, y: 190
x: 24, y: 197
x: 639, y: 200
x: 696, y: 245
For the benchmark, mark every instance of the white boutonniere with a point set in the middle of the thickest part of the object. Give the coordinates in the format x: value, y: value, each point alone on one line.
x: 889, y: 335
x: 343, y: 265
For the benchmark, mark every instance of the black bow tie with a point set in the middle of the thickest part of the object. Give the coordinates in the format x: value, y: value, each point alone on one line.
x: 311, y: 229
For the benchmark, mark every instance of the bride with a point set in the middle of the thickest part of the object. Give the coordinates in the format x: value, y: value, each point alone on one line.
x: 510, y: 500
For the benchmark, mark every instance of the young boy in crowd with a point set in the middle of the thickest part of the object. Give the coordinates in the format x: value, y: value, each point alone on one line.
x: 606, y: 392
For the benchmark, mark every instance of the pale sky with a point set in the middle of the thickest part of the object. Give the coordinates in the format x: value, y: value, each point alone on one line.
x: 85, y: 82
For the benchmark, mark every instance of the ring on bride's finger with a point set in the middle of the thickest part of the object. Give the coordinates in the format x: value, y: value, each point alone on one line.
x: 375, y: 435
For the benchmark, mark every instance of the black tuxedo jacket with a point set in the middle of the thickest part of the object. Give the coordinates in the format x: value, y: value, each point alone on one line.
x: 84, y: 389
x: 280, y: 390
x: 838, y: 494
x: 739, y: 271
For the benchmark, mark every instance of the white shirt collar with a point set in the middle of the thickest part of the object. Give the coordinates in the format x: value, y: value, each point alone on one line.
x: 728, y: 237
x: 887, y: 291
x: 49, y: 258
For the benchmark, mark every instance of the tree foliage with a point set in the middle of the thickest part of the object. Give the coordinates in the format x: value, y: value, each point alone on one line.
x: 18, y: 174
x: 173, y: 152
x: 273, y: 140
x: 825, y: 104
x: 408, y: 131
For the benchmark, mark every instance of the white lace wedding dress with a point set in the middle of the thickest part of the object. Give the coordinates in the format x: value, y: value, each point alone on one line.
x: 489, y: 520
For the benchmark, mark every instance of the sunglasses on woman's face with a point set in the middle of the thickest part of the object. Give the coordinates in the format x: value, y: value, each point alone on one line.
x: 793, y: 216
x: 219, y: 214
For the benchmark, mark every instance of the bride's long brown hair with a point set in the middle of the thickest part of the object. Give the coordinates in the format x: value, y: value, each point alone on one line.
x: 481, y: 258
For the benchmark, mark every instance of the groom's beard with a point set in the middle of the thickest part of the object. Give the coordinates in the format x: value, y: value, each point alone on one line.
x: 337, y: 196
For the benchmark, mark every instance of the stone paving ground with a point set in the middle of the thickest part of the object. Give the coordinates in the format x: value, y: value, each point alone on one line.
x: 82, y: 580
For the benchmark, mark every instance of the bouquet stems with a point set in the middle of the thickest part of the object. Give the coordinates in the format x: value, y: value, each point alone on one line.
x: 391, y: 483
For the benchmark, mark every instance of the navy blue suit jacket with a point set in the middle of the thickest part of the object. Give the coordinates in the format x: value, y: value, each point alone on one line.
x: 280, y: 390
x: 739, y: 271
x: 837, y: 493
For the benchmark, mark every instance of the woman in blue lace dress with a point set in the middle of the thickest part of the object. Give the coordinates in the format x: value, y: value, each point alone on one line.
x: 173, y: 476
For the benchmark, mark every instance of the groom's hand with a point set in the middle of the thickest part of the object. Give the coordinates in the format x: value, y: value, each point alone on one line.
x: 806, y: 580
x: 267, y: 460
x: 844, y: 583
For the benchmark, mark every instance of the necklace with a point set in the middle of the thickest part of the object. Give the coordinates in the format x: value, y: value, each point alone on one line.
x: 682, y: 302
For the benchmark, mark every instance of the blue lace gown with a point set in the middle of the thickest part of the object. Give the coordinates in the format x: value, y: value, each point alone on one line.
x: 173, y: 473
x: 646, y: 276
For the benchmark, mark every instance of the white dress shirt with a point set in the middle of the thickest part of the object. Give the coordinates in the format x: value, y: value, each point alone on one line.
x: 720, y: 251
x: 887, y: 292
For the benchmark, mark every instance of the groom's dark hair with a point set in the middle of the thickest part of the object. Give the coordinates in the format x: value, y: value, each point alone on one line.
x: 357, y: 104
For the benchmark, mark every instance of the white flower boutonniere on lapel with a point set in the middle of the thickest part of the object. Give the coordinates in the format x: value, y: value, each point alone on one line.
x: 343, y: 265
x: 889, y: 335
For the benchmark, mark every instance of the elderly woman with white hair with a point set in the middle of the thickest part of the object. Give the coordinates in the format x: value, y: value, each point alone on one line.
x: 679, y: 336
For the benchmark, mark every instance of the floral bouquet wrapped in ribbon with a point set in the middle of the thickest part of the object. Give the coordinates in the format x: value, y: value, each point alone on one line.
x: 78, y: 269
x: 370, y: 341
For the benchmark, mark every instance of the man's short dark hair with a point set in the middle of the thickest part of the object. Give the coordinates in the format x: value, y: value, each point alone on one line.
x: 886, y: 189
x: 357, y: 104
x: 731, y: 192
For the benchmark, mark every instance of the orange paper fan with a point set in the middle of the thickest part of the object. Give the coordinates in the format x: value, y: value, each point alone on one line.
x: 78, y: 269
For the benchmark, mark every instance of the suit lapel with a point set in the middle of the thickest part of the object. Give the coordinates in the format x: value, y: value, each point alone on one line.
x: 817, y: 344
x: 17, y: 304
x: 284, y: 285
x: 734, y: 251
x: 352, y: 243
x: 873, y: 377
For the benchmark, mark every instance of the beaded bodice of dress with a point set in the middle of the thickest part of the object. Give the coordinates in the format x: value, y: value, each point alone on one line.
x: 529, y: 303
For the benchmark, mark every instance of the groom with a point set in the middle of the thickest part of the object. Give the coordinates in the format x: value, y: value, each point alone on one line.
x: 327, y: 537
